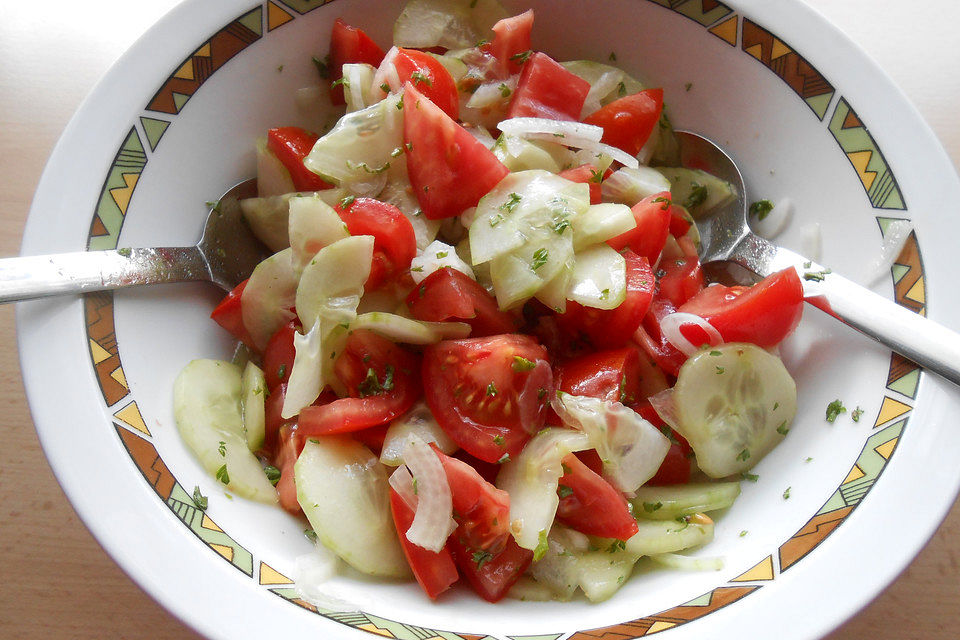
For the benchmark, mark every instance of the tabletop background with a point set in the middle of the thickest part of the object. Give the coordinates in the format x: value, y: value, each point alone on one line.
x: 47, y: 557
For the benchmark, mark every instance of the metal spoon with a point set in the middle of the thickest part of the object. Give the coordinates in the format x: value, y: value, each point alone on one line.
x: 726, y: 237
x: 226, y: 255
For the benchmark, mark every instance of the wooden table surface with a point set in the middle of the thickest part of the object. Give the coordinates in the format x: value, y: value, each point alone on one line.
x: 56, y: 580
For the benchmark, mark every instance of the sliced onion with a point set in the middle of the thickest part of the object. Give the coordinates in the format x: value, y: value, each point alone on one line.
x: 599, y: 90
x: 306, y: 374
x: 775, y: 221
x: 418, y: 420
x: 481, y: 134
x: 401, y: 480
x: 490, y: 94
x: 894, y: 239
x: 434, y: 257
x: 665, y: 407
x: 671, y: 324
x: 433, y: 520
x: 539, y: 384
x: 630, y: 186
x: 386, y: 74
x: 576, y: 142
x: 564, y: 130
x: 687, y: 563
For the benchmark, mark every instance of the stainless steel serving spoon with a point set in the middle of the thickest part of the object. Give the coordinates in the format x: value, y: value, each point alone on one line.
x: 726, y: 237
x: 226, y: 255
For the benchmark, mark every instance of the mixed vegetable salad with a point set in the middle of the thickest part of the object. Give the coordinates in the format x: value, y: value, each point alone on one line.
x: 484, y: 348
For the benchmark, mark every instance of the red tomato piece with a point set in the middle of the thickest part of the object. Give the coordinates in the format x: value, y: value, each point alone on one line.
x: 628, y: 121
x: 449, y: 295
x: 435, y: 571
x: 611, y: 328
x: 291, y: 145
x: 491, y: 575
x: 653, y: 216
x: 588, y: 174
x: 394, y: 241
x: 511, y: 39
x: 591, y: 505
x: 651, y: 339
x: 763, y: 314
x: 449, y: 169
x: 228, y: 315
x: 430, y: 78
x: 372, y: 437
x: 613, y: 376
x: 279, y: 354
x: 482, y: 511
x: 675, y: 468
x: 474, y: 387
x: 680, y: 277
x: 349, y: 45
x: 383, y: 383
x: 547, y: 90
x: 287, y: 453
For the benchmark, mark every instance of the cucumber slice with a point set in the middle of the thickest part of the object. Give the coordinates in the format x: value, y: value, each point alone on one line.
x: 599, y: 278
x: 313, y: 224
x: 518, y: 154
x: 456, y: 67
x: 266, y: 300
x: 359, y: 149
x: 358, y: 86
x: 605, y: 81
x: 268, y: 219
x: 399, y: 193
x: 420, y: 421
x: 343, y: 491
x: 399, y: 329
x: 662, y: 536
x: 698, y: 191
x: 206, y: 406
x: 672, y: 502
x: 435, y: 257
x: 332, y: 283
x: 306, y: 375
x: 734, y: 407
x: 254, y: 392
x: 600, y: 222
x: 452, y: 24
x: 554, y: 293
x: 602, y: 573
x: 273, y: 179
x: 629, y: 186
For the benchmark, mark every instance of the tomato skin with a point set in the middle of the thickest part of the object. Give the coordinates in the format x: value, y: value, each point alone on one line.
x: 279, y: 354
x: 394, y: 241
x: 449, y: 169
x: 763, y: 314
x: 613, y: 376
x: 675, y: 468
x: 609, y: 329
x: 458, y: 376
x: 449, y: 295
x: 365, y: 351
x: 511, y: 38
x: 653, y: 216
x: 349, y: 45
x: 228, y: 315
x: 628, y: 121
x: 287, y: 453
x: 432, y: 79
x: 482, y: 511
x: 651, y: 339
x: 547, y: 90
x: 291, y: 145
x: 435, y: 571
x: 593, y: 506
x: 587, y: 174
x: 680, y: 275
x: 494, y: 577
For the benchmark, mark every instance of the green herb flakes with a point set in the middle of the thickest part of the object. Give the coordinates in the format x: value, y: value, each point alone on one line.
x: 540, y: 257
x: 521, y: 364
x: 761, y: 209
x: 834, y: 409
x: 273, y: 474
x: 199, y: 499
x: 855, y: 414
x: 650, y: 507
x: 222, y: 474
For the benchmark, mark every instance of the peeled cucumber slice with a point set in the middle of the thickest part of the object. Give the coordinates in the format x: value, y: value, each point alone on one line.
x: 518, y: 154
x: 358, y: 86
x: 452, y: 24
x: 399, y: 329
x: 267, y: 218
x: 628, y: 185
x: 600, y: 222
x: 313, y: 224
x: 599, y: 278
x: 254, y: 394
x: 669, y: 536
x: 273, y: 179
x: 332, y: 282
x: 671, y: 502
x: 698, y: 191
x: 266, y: 300
x: 209, y: 417
x: 343, y: 491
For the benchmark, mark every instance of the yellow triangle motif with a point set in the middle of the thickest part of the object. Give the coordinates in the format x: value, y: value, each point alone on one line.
x: 855, y: 474
x: 98, y: 353
x: 207, y: 523
x: 727, y: 31
x: 203, y: 52
x: 886, y: 449
x: 372, y: 628
x: 660, y: 625
x: 269, y: 575
x: 276, y: 16
x: 779, y: 49
x: 889, y: 410
x: 186, y: 71
x: 860, y: 160
x: 918, y: 292
x: 117, y: 374
x: 121, y: 195
x: 763, y: 570
x: 224, y: 550
x: 130, y: 415
x: 756, y: 51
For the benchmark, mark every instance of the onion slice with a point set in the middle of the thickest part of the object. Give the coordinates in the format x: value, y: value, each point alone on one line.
x: 433, y: 519
x: 671, y: 324
x: 562, y: 129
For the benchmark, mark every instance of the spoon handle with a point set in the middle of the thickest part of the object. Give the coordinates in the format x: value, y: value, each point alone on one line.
x: 52, y: 275
x: 913, y: 336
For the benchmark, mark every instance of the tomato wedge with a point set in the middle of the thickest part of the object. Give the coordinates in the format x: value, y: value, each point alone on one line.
x: 511, y: 39
x: 279, y: 354
x: 679, y: 275
x: 430, y: 78
x: 291, y: 145
x: 474, y: 388
x: 449, y: 169
x: 653, y: 215
x: 608, y: 329
x: 449, y: 295
x: 675, y: 468
x: 628, y: 121
x: 228, y: 315
x: 491, y: 575
x: 348, y: 45
x: 383, y: 382
x: 394, y: 241
x: 613, y: 376
x: 588, y: 174
x: 287, y: 452
x: 763, y: 314
x: 435, y: 571
x: 547, y: 90
x: 591, y: 505
x: 652, y: 341
x: 482, y: 511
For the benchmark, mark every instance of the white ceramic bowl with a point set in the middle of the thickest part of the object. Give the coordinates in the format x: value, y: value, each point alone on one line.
x: 803, y: 111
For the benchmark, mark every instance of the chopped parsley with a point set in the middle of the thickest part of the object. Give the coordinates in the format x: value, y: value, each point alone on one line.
x: 419, y: 77
x: 688, y: 86
x: 855, y: 414
x: 563, y: 491
x: 783, y: 429
x: 786, y: 493
x: 720, y: 370
x: 560, y: 224
x: 492, y: 389
x: 504, y: 90
x: 273, y: 474
x: 213, y: 204
x: 322, y: 66
x: 540, y: 257
x: 495, y: 220
x: 698, y: 195
x: 834, y: 409
x: 621, y: 88
x: 761, y: 209
x: 816, y: 276
x: 280, y: 68
x: 498, y: 440
x: 505, y: 458
x: 521, y: 57
x: 667, y: 202
x: 222, y: 449
x: 442, y: 254
x: 311, y: 535
x: 125, y: 252
x: 222, y: 474
x: 521, y: 364
x: 744, y: 455
x: 605, y: 294
x: 622, y: 389
x: 385, y: 87
x: 809, y: 459
x: 715, y: 353
x: 743, y: 533
x: 416, y: 269
x: 282, y: 371
x: 596, y: 176
x: 512, y: 201
x: 481, y: 557
x: 752, y: 477
x: 371, y: 385
x: 650, y: 507
x: 617, y: 545
x: 199, y: 499
x: 340, y: 81
x: 542, y: 546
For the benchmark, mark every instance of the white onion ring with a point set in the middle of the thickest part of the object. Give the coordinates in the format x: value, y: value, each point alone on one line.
x: 665, y: 407
x: 557, y: 128
x: 433, y: 520
x: 387, y: 73
x: 586, y: 144
x: 670, y: 326
x: 402, y: 482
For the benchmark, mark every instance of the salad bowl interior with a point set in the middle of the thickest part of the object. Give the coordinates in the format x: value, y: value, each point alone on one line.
x: 808, y: 119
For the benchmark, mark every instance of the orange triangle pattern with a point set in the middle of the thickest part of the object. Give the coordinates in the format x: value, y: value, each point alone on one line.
x: 276, y: 17
x: 727, y: 30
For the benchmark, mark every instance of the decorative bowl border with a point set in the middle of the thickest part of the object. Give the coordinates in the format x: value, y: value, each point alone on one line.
x: 852, y: 137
